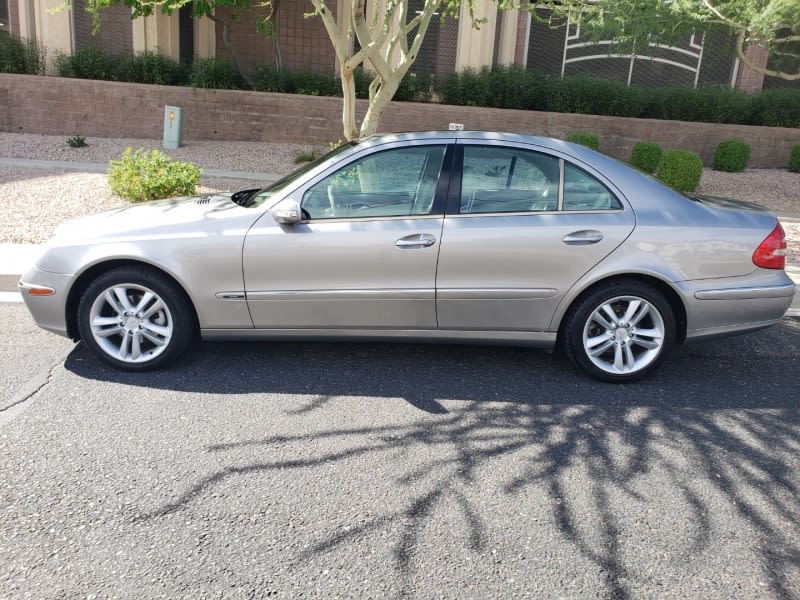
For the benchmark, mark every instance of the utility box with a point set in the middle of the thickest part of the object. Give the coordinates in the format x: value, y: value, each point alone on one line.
x: 173, y: 127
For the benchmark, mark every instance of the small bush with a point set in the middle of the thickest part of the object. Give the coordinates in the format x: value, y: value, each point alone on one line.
x: 88, y: 63
x: 141, y: 176
x: 646, y: 156
x: 151, y: 67
x: 794, y: 159
x: 732, y: 156
x: 215, y: 74
x: 77, y: 141
x: 681, y: 170
x: 583, y: 138
x: 305, y: 156
x: 25, y: 57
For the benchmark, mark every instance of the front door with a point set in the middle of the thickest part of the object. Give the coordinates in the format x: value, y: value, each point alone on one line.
x: 364, y: 256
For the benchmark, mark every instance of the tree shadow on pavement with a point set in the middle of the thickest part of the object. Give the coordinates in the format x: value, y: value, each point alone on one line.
x: 723, y: 438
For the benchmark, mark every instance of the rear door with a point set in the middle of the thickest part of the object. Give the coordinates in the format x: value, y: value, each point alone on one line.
x: 522, y: 226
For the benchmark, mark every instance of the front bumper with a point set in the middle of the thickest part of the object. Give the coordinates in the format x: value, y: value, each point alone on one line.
x: 48, y: 310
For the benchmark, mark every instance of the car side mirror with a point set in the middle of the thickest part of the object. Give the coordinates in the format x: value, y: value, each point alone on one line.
x: 287, y: 212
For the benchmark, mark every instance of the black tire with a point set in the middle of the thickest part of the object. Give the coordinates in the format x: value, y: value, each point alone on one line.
x: 156, y: 336
x: 637, y: 347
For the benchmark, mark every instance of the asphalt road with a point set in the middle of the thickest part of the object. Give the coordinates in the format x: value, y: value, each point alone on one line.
x: 388, y: 471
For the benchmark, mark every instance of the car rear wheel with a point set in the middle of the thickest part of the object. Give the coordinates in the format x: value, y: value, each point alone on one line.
x: 135, y: 319
x: 620, y: 332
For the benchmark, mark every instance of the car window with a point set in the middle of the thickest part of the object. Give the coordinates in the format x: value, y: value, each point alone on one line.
x: 496, y: 179
x: 397, y: 182
x: 584, y: 192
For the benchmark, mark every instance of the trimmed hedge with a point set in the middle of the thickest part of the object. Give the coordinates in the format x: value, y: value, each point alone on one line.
x: 681, y: 170
x: 518, y: 88
x: 794, y: 159
x: 731, y: 156
x: 645, y: 156
x: 24, y: 57
x: 584, y: 138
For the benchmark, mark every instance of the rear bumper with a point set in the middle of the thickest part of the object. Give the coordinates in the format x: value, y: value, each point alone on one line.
x: 715, y: 309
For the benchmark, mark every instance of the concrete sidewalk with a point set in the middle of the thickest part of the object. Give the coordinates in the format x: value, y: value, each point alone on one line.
x: 84, y: 167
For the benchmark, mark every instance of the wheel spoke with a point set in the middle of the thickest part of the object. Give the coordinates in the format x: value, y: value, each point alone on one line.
x: 639, y: 315
x: 606, y: 308
x: 630, y: 360
x: 99, y: 322
x: 123, y: 347
x: 597, y: 340
x: 633, y: 306
x: 601, y: 349
x: 649, y: 344
x: 114, y: 303
x: 619, y: 361
x: 155, y: 329
x: 143, y: 302
x: 122, y: 296
x: 157, y: 306
x: 104, y: 333
x: 136, y: 346
x: 157, y: 341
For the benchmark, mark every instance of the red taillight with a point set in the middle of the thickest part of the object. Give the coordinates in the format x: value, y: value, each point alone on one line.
x: 771, y: 253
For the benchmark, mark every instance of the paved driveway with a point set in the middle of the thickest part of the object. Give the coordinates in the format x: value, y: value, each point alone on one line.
x: 357, y: 471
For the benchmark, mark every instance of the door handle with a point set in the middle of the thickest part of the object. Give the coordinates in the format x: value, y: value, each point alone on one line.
x: 582, y: 238
x: 417, y: 240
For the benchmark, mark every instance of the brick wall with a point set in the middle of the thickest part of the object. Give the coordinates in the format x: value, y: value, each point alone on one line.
x: 56, y: 106
x: 304, y: 43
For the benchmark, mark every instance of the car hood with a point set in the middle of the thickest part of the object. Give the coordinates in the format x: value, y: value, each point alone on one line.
x: 172, y: 217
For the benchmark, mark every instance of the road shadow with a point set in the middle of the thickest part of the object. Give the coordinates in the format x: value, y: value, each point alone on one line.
x: 720, y: 420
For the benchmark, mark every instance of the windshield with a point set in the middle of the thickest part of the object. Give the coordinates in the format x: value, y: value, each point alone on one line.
x: 283, y: 183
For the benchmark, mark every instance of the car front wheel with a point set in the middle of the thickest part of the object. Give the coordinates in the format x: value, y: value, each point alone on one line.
x: 620, y: 332
x: 134, y: 318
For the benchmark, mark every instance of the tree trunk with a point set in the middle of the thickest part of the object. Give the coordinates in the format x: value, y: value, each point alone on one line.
x: 231, y: 50
x: 349, y: 104
x: 378, y: 104
x: 276, y: 44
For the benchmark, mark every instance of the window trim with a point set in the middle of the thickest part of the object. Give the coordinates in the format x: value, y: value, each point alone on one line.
x: 453, y: 206
x: 440, y: 194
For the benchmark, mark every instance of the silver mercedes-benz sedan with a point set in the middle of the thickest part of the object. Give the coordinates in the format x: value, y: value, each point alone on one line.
x: 449, y: 236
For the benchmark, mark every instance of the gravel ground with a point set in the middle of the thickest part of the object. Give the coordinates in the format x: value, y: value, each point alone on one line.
x: 37, y: 201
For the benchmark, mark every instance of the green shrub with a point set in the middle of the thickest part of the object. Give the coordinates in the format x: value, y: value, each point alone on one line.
x: 794, y: 159
x: 583, y: 138
x: 732, y: 156
x: 141, y: 176
x: 407, y: 88
x: 777, y: 108
x: 20, y: 56
x: 681, y: 170
x: 311, y: 83
x: 88, y: 63
x: 468, y: 88
x: 215, y: 74
x: 151, y: 67
x: 267, y: 78
x: 77, y: 141
x: 646, y: 156
x: 705, y: 104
